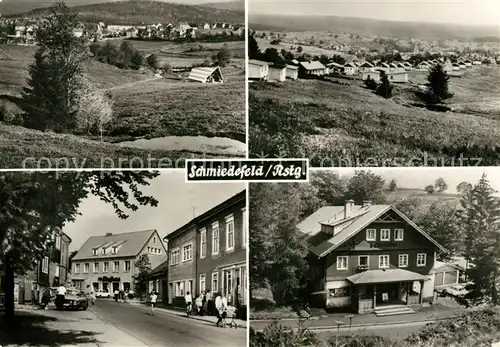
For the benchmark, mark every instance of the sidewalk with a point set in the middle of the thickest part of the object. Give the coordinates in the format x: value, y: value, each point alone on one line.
x: 211, y: 319
x: 38, y: 327
x: 432, y: 313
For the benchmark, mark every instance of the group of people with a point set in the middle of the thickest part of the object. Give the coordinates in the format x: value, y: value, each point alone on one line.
x: 120, y: 295
x: 201, y: 306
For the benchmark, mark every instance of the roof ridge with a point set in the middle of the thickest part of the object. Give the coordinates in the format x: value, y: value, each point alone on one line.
x: 125, y: 233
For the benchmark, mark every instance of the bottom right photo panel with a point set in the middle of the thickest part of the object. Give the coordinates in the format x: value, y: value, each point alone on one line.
x: 376, y: 257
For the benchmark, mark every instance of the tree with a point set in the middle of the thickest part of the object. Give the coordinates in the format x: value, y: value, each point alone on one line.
x: 324, y: 59
x: 440, y: 185
x: 223, y: 57
x: 253, y: 47
x: 430, y: 189
x: 299, y: 49
x: 143, y: 266
x: 137, y: 60
x: 49, y: 100
x: 109, y: 54
x: 34, y: 204
x: 370, y: 83
x: 272, y: 55
x: 480, y: 217
x: 338, y: 59
x: 464, y: 187
x: 438, y: 82
x: 410, y: 207
x: 392, y: 185
x: 95, y: 110
x: 153, y: 61
x: 384, y: 88
x: 365, y: 185
x: 127, y: 51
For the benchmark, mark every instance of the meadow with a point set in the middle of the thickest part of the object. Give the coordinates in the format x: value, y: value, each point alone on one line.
x: 144, y: 105
x: 348, y: 125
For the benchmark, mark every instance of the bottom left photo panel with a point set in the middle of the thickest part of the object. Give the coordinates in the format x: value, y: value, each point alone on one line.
x: 122, y: 258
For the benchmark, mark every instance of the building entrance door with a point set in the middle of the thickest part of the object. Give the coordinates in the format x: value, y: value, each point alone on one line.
x: 388, y: 294
x: 116, y: 286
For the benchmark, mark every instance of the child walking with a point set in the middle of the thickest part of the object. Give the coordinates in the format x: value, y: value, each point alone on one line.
x: 153, y: 302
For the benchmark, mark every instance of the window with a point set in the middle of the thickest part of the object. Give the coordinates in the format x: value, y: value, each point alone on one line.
x: 179, y: 288
x: 342, y: 263
x: 364, y: 261
x: 45, y: 265
x: 149, y: 249
x: 127, y: 265
x: 385, y: 234
x: 174, y: 256
x: 94, y: 251
x: 421, y: 259
x: 244, y: 227
x: 104, y: 251
x: 106, y: 267
x: 215, y: 282
x: 215, y: 238
x: 229, y: 233
x: 58, y: 242
x: 383, y: 261
x: 159, y: 250
x: 189, y: 287
x: 398, y: 234
x: 187, y: 252
x: 154, y: 239
x: 339, y: 292
x: 113, y: 250
x: 203, y: 243
x: 202, y: 283
x: 116, y: 266
x: 86, y: 267
x: 403, y: 260
x: 77, y: 268
x: 371, y: 235
x: 96, y: 267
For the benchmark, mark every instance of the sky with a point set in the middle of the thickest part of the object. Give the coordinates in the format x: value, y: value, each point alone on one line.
x: 418, y: 178
x: 468, y: 12
x: 175, y: 208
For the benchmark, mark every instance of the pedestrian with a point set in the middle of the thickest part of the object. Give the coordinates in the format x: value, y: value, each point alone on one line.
x: 219, y: 309
x: 61, y: 292
x: 199, y: 304
x: 224, y: 310
x: 209, y: 301
x: 204, y: 304
x: 46, y: 298
x: 152, y: 299
x: 189, y: 303
x: 116, y: 295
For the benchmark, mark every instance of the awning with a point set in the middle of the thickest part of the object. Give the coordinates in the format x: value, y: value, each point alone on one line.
x: 385, y: 276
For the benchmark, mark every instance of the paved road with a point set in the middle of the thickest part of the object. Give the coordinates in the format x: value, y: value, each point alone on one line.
x: 164, y: 329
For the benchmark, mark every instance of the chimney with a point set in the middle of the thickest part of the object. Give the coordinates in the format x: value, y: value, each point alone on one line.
x: 109, y: 234
x: 367, y: 203
x: 349, y: 204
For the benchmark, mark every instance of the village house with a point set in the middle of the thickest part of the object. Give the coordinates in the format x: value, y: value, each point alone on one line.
x: 455, y: 67
x: 366, y: 67
x: 277, y: 73
x: 369, y: 258
x: 335, y: 67
x: 258, y: 70
x: 209, y: 254
x: 468, y: 63
x: 309, y: 69
x: 107, y: 263
x: 206, y: 26
x: 292, y: 72
x: 132, y: 33
x: 424, y: 65
x: 393, y: 76
x: 78, y: 32
x: 206, y: 75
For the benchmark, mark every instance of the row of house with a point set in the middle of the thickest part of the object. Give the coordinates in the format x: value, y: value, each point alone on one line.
x: 373, y: 258
x: 206, y: 254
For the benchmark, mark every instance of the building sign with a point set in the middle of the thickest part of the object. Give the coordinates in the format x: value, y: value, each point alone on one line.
x: 109, y: 279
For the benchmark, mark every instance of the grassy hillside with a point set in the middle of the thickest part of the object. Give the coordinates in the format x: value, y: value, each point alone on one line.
x: 368, y: 27
x: 227, y: 5
x: 143, y: 12
x: 340, y: 122
x: 24, y: 148
x: 426, y: 199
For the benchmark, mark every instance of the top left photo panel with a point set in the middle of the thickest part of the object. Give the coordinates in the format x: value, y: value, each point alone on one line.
x: 121, y: 84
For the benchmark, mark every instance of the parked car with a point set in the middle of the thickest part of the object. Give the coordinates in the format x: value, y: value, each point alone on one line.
x: 101, y: 294
x: 74, y: 299
x: 458, y: 290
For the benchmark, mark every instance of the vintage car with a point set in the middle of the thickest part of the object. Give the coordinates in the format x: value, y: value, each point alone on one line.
x: 74, y: 299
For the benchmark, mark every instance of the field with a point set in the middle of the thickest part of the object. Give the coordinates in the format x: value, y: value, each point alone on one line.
x: 348, y: 125
x: 147, y: 106
x: 306, y: 49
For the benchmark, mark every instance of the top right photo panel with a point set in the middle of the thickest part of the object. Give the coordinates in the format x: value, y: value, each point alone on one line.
x: 375, y: 83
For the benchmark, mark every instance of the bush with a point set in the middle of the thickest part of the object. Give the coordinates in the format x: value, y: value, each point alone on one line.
x: 384, y: 88
x: 278, y: 335
x: 370, y: 83
x: 153, y: 61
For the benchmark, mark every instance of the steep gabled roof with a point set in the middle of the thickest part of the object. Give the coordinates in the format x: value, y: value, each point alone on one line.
x: 131, y: 245
x: 201, y: 74
x: 321, y: 243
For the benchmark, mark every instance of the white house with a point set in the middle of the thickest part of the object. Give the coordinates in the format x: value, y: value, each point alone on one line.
x: 292, y: 72
x: 206, y: 75
x: 394, y: 77
x: 311, y: 68
x: 468, y: 63
x: 350, y: 68
x: 277, y: 73
x: 366, y: 67
x: 258, y: 70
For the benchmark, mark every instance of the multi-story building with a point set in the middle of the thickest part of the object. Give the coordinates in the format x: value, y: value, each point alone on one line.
x: 367, y: 257
x: 107, y: 263
x: 209, y: 254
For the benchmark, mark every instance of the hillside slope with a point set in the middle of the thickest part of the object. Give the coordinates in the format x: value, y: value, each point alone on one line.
x: 142, y: 12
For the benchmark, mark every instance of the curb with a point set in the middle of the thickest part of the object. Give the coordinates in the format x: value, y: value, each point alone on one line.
x: 345, y: 327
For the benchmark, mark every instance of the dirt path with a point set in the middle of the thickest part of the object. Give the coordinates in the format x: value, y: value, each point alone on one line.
x: 132, y: 84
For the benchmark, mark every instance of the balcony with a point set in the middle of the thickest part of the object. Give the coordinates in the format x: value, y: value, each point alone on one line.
x: 362, y: 268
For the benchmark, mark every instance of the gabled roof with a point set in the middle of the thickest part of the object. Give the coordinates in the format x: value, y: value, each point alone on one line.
x: 277, y: 67
x: 131, y: 245
x: 321, y: 244
x: 312, y: 65
x: 350, y: 64
x: 366, y: 64
x: 257, y: 62
x: 201, y: 74
x: 292, y: 67
x: 334, y: 64
x: 441, y: 264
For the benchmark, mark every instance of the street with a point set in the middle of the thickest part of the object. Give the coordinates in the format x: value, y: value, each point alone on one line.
x: 166, y: 329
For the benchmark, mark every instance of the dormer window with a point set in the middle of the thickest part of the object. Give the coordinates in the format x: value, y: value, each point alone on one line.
x: 104, y: 251
x: 94, y: 251
x: 113, y: 250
